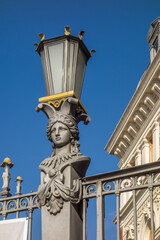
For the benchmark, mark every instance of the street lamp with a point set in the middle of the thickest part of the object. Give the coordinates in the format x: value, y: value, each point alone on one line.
x: 64, y: 60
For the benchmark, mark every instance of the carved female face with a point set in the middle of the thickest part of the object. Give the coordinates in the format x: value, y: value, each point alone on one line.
x: 60, y: 134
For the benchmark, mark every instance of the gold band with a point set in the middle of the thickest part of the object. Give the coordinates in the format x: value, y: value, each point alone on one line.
x: 60, y: 96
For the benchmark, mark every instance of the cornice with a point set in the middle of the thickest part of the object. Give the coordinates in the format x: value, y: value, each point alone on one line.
x: 137, y: 111
x: 138, y: 141
x: 154, y: 29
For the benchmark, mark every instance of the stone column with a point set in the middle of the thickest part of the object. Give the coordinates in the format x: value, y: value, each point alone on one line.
x: 145, y: 151
x: 155, y: 137
x: 138, y: 158
x: 152, y: 53
x: 123, y: 199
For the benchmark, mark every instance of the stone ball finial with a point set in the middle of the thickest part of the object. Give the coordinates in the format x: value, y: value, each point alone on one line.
x: 19, y: 179
x: 7, y: 161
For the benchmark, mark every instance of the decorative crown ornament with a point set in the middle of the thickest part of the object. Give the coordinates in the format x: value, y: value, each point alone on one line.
x: 67, y: 108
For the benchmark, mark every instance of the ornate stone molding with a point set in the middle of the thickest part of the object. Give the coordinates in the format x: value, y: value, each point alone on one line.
x: 138, y: 120
x: 129, y: 232
x: 140, y: 107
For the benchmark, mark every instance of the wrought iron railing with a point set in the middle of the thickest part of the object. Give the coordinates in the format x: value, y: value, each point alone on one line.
x: 20, y: 202
x: 117, y: 182
x: 17, y: 204
x: 135, y: 180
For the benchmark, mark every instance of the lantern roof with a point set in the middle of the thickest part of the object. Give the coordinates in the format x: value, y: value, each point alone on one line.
x: 68, y: 37
x: 64, y: 60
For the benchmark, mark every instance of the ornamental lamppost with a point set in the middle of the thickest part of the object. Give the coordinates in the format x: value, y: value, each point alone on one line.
x: 59, y: 195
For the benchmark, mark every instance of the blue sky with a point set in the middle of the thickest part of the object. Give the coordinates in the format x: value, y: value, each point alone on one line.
x: 117, y: 30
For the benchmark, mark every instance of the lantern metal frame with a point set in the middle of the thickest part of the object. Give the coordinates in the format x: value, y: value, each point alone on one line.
x: 67, y: 40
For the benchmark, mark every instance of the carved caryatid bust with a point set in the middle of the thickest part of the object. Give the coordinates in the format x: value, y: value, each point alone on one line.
x: 63, y: 131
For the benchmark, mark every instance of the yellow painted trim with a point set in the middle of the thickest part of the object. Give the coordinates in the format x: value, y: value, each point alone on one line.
x: 56, y: 103
x: 57, y: 96
x: 62, y: 95
x: 19, y: 178
x: 7, y: 160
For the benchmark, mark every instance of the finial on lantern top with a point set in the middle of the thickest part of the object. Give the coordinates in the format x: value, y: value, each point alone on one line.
x: 67, y: 30
x: 42, y: 36
x: 92, y: 51
x: 81, y: 34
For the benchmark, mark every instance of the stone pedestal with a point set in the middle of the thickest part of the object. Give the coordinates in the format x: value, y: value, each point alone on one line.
x: 67, y: 224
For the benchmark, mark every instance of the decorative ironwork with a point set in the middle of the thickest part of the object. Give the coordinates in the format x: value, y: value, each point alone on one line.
x: 146, y: 177
x: 97, y: 186
x: 18, y: 203
x: 141, y: 180
x: 108, y: 186
x: 11, y: 204
x: 90, y: 190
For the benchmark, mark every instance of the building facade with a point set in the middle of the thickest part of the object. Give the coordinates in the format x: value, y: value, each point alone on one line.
x: 136, y: 141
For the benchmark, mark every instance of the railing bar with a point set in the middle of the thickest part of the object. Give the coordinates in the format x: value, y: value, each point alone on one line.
x: 118, y: 215
x: 93, y: 182
x: 123, y: 190
x: 134, y: 214
x: 30, y: 225
x: 18, y: 197
x: 151, y: 205
x: 17, y: 214
x: 123, y: 174
x: 117, y: 186
x: 84, y: 219
x: 152, y: 216
x: 100, y: 212
x: 20, y: 209
x: 89, y: 196
x: 4, y: 214
x: 132, y: 188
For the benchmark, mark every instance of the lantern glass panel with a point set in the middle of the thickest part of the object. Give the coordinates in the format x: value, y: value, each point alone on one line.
x: 56, y: 63
x: 45, y: 72
x: 81, y: 65
x: 71, y: 61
